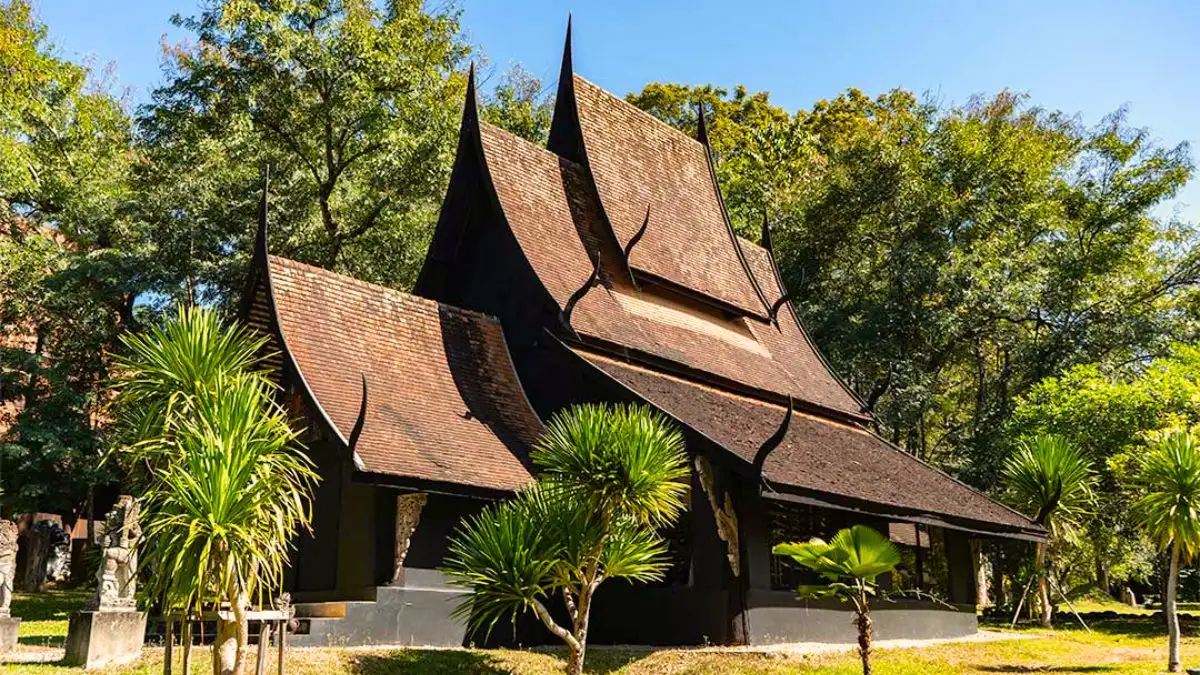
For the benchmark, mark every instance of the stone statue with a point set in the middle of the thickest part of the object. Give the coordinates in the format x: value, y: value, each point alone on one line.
x: 118, y: 535
x: 8, y: 564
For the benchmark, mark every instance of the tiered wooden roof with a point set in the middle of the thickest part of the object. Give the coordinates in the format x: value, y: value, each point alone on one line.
x: 616, y: 240
x: 418, y: 392
x: 621, y: 222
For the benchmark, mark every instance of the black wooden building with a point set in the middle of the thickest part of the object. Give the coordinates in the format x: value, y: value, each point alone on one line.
x: 600, y: 268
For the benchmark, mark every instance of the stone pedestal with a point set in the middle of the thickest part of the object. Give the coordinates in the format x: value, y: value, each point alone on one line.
x: 99, y: 639
x: 9, y: 627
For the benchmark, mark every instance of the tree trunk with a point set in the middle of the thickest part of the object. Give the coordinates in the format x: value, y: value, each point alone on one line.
x: 981, y: 575
x: 575, y: 660
x: 1047, y: 609
x: 999, y: 597
x: 225, y: 648
x: 576, y: 656
x: 1102, y: 580
x: 1173, y: 664
x: 232, y: 642
x: 864, y: 634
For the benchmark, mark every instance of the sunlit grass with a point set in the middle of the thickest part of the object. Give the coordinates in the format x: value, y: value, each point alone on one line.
x: 1133, y: 645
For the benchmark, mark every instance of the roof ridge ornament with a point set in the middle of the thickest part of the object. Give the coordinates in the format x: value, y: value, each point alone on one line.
x: 773, y: 314
x: 471, y: 106
x: 760, y: 457
x: 701, y: 125
x: 593, y: 279
x: 568, y: 61
x: 359, y: 423
x: 764, y: 239
x: 636, y: 237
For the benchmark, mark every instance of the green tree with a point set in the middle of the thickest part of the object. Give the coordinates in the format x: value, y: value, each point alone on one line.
x: 1053, y: 483
x: 354, y: 104
x: 1170, y: 513
x: 1111, y: 413
x: 69, y: 261
x: 224, y: 484
x: 851, y: 562
x: 609, y: 477
x: 520, y: 105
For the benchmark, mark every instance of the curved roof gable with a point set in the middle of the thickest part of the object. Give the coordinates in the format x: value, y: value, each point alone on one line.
x: 640, y: 163
x: 551, y: 211
x: 443, y: 402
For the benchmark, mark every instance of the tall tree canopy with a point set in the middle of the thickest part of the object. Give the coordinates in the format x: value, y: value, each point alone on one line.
x: 69, y: 260
x: 948, y: 258
x: 354, y: 104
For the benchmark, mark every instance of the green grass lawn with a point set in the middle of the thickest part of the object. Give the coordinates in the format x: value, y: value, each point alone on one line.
x: 44, y: 616
x: 1132, y: 645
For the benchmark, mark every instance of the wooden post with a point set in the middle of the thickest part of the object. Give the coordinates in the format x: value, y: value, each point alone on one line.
x: 167, y: 648
x: 187, y: 646
x: 282, y: 640
x: 264, y: 638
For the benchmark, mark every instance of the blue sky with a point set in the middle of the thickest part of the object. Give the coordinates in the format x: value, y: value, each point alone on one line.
x: 1085, y: 58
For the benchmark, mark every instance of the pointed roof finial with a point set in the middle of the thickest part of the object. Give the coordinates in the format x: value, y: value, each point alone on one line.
x: 702, y: 126
x: 765, y: 239
x: 568, y: 66
x: 471, y: 107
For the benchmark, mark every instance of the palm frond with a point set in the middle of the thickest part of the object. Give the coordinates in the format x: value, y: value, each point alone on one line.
x: 858, y: 552
x: 622, y: 459
x: 1051, y: 481
x: 1170, y: 509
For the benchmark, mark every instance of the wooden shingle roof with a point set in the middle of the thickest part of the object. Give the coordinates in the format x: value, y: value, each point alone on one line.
x: 443, y: 402
x: 555, y: 219
x: 833, y: 461
x: 639, y: 164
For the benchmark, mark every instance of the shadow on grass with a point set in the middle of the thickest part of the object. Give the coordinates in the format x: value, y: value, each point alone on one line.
x: 423, y: 662
x: 1047, y: 668
x: 50, y: 605
x: 54, y: 641
x: 600, y: 661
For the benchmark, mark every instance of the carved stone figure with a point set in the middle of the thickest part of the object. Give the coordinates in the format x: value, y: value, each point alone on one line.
x: 408, y: 514
x: 118, y: 535
x: 8, y: 564
x: 726, y: 517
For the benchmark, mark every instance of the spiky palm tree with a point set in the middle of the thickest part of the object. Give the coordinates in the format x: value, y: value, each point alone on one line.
x: 611, y: 476
x: 1052, y: 481
x: 1170, y: 513
x: 225, y: 486
x: 851, y: 562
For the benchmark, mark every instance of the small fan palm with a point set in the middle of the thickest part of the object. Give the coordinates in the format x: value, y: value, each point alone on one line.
x: 1050, y: 479
x: 609, y: 476
x: 224, y: 487
x: 851, y: 561
x: 1170, y: 513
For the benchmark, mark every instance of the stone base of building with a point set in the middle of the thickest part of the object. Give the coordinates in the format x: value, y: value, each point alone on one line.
x: 780, y: 617
x: 100, y: 639
x: 9, y: 627
x: 416, y: 614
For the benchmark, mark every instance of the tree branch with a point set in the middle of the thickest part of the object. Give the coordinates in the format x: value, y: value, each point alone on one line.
x: 562, y: 633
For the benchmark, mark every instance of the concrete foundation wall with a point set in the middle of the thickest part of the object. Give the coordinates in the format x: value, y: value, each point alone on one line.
x: 776, y: 617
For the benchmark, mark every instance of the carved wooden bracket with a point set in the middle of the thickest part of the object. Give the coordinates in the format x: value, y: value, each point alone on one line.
x: 408, y: 514
x: 727, y: 525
